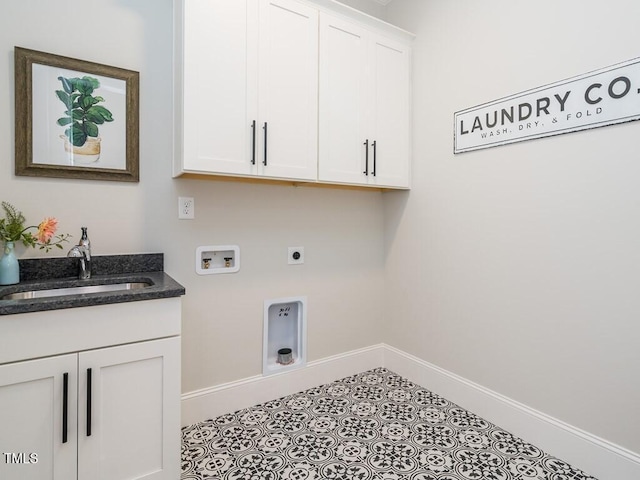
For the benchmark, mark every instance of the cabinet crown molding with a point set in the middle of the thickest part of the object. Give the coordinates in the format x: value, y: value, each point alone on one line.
x: 334, y: 7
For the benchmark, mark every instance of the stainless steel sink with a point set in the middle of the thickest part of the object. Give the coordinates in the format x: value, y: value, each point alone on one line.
x: 58, y: 292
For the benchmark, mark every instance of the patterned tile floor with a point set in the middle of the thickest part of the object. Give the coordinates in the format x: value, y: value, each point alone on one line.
x: 372, y: 426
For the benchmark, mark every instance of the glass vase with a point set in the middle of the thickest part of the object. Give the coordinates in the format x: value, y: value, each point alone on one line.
x: 9, y: 266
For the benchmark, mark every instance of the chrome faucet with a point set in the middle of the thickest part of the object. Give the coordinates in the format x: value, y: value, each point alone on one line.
x: 82, y: 251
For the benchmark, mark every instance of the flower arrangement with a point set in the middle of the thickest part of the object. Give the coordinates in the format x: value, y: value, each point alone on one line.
x: 12, y: 229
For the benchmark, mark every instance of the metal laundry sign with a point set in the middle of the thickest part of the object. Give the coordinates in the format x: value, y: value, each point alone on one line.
x: 604, y: 97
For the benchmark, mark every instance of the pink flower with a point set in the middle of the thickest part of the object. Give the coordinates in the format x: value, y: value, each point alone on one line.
x: 47, y: 229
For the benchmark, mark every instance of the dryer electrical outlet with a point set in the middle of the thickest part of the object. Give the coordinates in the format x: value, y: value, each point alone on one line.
x: 296, y: 255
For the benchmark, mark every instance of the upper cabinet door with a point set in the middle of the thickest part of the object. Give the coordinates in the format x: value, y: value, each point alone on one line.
x: 364, y: 106
x: 391, y: 129
x: 218, y: 85
x: 288, y: 89
x: 344, y: 101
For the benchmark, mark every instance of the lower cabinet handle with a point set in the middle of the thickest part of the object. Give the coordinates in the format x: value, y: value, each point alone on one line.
x: 366, y: 157
x: 88, y: 402
x: 373, y: 172
x: 65, y: 406
x: 264, y: 162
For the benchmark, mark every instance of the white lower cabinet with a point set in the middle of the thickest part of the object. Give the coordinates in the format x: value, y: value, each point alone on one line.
x: 32, y: 442
x: 106, y: 414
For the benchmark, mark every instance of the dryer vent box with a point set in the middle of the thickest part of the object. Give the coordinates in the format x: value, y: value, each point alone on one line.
x: 285, y: 334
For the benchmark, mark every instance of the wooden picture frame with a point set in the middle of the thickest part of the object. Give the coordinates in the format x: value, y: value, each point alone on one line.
x: 75, y: 119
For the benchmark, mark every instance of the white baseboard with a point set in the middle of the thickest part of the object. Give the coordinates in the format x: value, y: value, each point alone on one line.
x: 594, y: 455
x: 229, y: 397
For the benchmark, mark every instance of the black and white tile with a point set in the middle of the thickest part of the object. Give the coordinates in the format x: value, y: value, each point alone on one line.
x: 372, y: 426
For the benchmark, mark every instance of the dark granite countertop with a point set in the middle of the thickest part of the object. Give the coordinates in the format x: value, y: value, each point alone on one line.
x: 49, y: 273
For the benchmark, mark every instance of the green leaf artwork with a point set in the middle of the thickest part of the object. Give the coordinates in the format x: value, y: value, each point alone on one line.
x: 82, y: 112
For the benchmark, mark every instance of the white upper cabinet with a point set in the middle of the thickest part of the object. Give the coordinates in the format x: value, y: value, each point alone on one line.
x: 216, y: 88
x: 364, y: 106
x: 291, y: 89
x: 345, y: 95
x: 247, y: 88
x: 288, y: 89
x: 391, y: 116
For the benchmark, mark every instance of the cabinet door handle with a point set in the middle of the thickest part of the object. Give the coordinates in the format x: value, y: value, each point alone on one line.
x: 88, y: 402
x: 373, y: 172
x: 264, y: 162
x: 253, y: 143
x: 366, y: 157
x: 65, y: 406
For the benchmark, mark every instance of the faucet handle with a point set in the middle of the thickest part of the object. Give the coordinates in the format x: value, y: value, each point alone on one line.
x: 84, y: 240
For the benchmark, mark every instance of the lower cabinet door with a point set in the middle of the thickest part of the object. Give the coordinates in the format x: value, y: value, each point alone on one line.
x: 38, y: 419
x: 129, y: 412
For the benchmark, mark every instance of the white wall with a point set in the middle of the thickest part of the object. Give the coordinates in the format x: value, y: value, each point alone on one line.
x: 341, y: 230
x: 515, y: 267
x: 518, y: 267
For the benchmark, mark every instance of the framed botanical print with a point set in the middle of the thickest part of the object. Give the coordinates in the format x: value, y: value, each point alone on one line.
x: 75, y: 119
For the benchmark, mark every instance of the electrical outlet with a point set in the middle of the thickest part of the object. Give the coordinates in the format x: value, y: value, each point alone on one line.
x: 186, y: 208
x: 296, y: 255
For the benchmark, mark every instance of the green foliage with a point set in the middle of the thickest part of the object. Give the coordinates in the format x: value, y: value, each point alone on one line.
x: 12, y: 227
x: 82, y: 114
